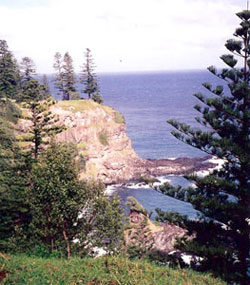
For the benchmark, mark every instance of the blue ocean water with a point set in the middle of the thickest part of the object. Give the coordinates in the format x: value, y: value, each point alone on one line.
x: 148, y: 100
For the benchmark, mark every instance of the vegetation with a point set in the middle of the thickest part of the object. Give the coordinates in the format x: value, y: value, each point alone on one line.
x: 65, y: 78
x: 30, y: 89
x: 103, y: 138
x: 83, y: 105
x: 68, y: 75
x: 112, y: 270
x: 221, y: 235
x: 89, y: 79
x: 44, y: 125
x: 8, y: 72
x: 119, y: 118
x: 58, y: 80
x: 14, y: 211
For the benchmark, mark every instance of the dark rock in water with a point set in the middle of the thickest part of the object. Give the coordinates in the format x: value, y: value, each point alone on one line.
x: 179, y: 166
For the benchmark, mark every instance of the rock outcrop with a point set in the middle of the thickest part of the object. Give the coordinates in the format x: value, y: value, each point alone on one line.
x: 155, y: 238
x: 99, y: 132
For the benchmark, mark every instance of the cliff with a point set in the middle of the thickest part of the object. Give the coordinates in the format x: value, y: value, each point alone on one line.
x: 99, y: 132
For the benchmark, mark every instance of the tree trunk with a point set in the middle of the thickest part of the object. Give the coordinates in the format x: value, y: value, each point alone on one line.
x: 68, y: 244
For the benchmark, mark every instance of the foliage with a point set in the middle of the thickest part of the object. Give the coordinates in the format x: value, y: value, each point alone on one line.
x: 107, y: 228
x: 9, y: 110
x: 221, y: 235
x: 65, y: 79
x: 31, y: 90
x: 103, y: 138
x: 56, y: 196
x: 13, y: 205
x: 45, y: 90
x: 139, y: 241
x: 134, y: 205
x: 8, y: 72
x: 58, y: 80
x: 119, y: 118
x: 65, y: 209
x: 148, y: 179
x: 112, y: 270
x: 74, y: 96
x: 96, y: 97
x: 89, y: 78
x: 44, y: 125
x: 68, y: 76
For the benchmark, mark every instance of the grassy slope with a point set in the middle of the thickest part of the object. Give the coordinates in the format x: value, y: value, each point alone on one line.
x: 29, y: 270
x: 83, y: 105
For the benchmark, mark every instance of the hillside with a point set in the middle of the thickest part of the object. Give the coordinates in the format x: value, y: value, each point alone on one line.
x: 114, y: 270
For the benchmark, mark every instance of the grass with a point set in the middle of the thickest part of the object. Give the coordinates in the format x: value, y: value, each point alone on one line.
x: 119, y: 119
x: 83, y: 152
x: 117, y: 270
x: 82, y: 105
x: 81, y: 145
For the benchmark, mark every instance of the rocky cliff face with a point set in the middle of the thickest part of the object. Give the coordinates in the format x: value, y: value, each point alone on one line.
x: 99, y: 132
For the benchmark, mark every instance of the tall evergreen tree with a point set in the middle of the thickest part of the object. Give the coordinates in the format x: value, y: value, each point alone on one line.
x: 88, y: 76
x: 59, y: 78
x: 14, y: 210
x: 31, y: 90
x: 221, y: 235
x: 45, y: 90
x: 68, y: 75
x: 28, y: 69
x: 8, y: 72
x: 44, y: 125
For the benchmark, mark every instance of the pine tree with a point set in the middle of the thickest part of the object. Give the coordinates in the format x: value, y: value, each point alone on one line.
x: 44, y: 86
x: 68, y: 76
x: 221, y: 235
x: 44, y: 125
x: 89, y: 78
x: 59, y: 79
x: 28, y: 69
x: 31, y: 90
x: 8, y: 72
x: 14, y: 210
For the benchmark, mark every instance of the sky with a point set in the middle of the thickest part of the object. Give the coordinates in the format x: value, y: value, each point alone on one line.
x: 123, y: 35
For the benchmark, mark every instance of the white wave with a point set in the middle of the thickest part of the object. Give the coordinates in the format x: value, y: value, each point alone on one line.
x: 110, y: 189
x: 218, y: 165
x: 138, y: 185
x: 162, y: 180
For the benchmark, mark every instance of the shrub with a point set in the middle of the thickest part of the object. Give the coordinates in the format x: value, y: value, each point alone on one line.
x: 97, y: 98
x: 119, y: 118
x: 103, y: 138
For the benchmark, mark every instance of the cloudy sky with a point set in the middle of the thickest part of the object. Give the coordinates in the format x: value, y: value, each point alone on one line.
x: 123, y: 35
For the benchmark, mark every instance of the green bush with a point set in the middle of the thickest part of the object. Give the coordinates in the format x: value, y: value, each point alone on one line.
x: 119, y: 118
x: 103, y: 138
x: 75, y: 96
x: 97, y: 98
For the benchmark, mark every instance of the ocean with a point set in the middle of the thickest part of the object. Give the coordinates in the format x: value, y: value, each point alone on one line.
x: 147, y: 101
